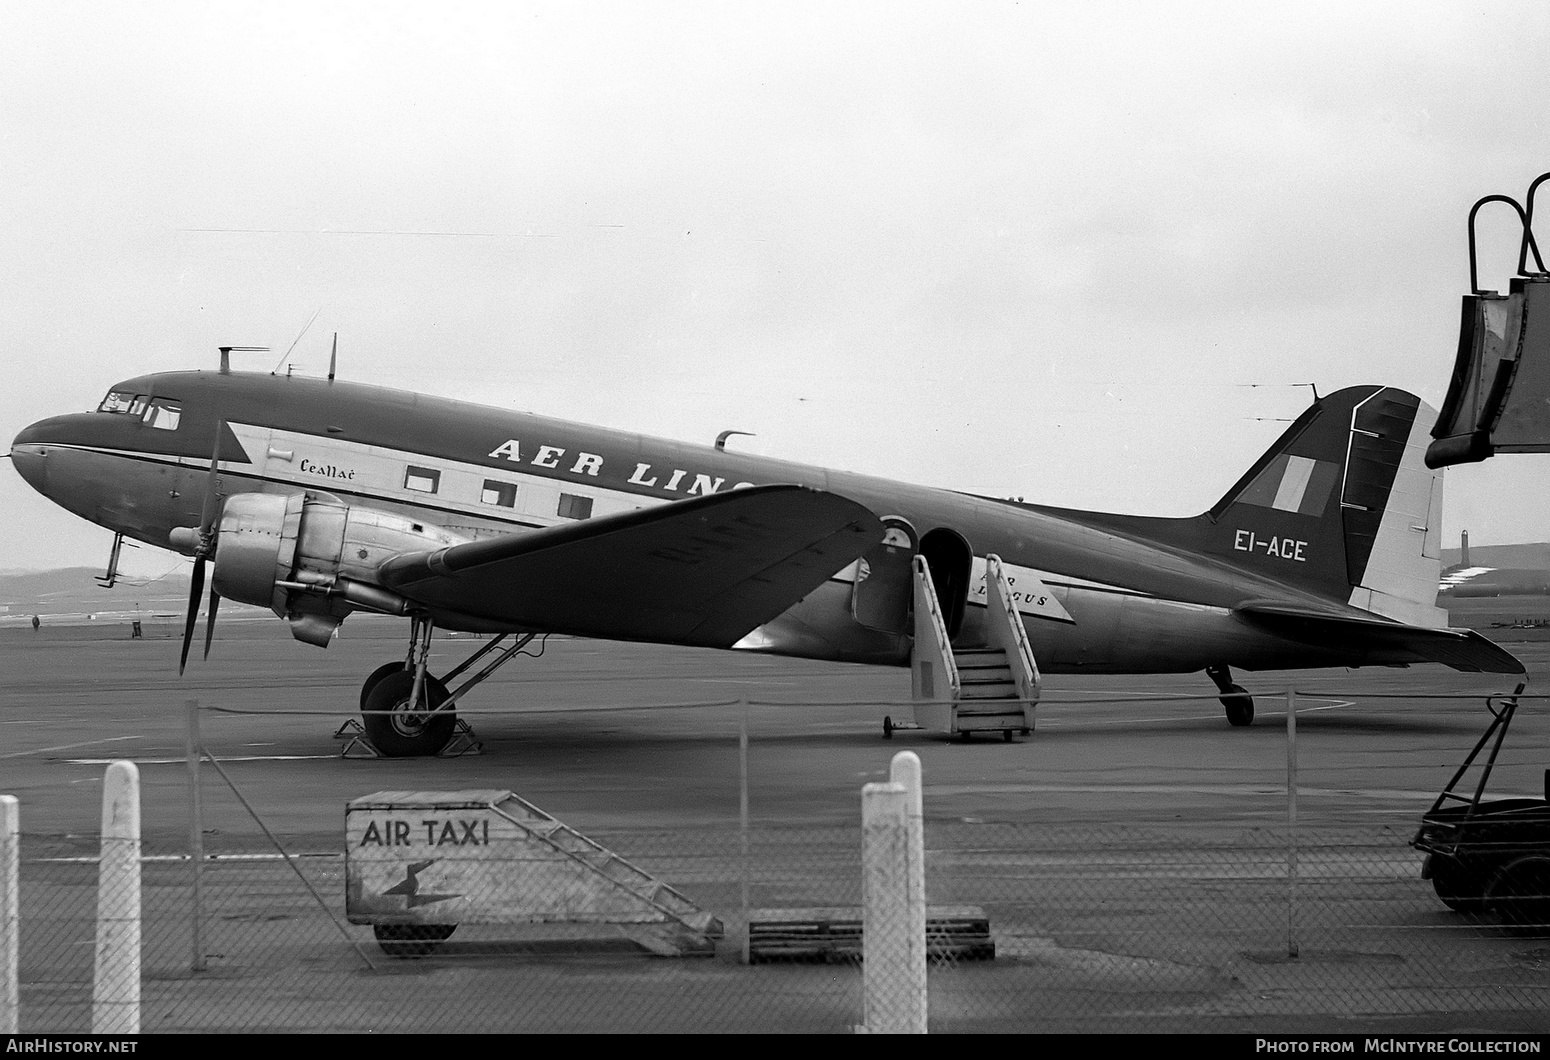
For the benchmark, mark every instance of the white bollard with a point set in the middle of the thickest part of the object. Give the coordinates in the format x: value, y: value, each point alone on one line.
x: 893, y: 915
x: 10, y: 911
x: 905, y: 770
x: 116, y: 990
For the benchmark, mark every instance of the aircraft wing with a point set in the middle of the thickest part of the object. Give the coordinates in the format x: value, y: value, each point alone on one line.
x: 701, y: 571
x: 1462, y: 649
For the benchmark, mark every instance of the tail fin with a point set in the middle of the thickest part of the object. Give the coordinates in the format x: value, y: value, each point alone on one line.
x: 1343, y: 505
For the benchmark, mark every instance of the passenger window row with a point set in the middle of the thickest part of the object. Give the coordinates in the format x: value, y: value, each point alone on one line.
x: 495, y: 492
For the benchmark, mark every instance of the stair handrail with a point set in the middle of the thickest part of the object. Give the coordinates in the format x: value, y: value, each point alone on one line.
x: 1527, y: 242
x: 931, y: 637
x: 594, y: 847
x: 1474, y: 276
x: 1005, y: 630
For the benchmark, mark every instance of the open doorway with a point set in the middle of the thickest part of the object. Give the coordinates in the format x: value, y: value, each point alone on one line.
x: 951, y: 561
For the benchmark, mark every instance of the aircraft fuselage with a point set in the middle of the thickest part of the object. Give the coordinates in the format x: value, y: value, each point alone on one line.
x: 1093, y: 599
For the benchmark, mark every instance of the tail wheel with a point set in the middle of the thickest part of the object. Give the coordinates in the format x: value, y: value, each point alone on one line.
x: 399, y: 729
x: 411, y: 940
x: 1240, y: 706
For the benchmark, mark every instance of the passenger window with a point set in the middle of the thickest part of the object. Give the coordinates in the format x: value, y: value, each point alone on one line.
x: 502, y: 493
x: 164, y: 415
x: 573, y: 507
x: 422, y: 479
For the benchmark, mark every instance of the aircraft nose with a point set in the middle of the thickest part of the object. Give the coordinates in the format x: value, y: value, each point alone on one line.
x: 29, y: 455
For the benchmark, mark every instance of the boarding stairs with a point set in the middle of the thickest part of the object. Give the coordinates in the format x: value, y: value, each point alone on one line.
x: 658, y: 903
x: 992, y: 687
x: 509, y: 863
x: 1498, y: 399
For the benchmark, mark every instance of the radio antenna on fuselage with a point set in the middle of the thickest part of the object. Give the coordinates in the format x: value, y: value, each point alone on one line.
x: 333, y: 357
x: 721, y: 439
x: 226, y: 355
x: 292, y: 346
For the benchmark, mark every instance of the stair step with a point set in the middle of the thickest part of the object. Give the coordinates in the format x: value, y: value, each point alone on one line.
x: 983, y: 692
x: 975, y: 657
x: 1001, y: 674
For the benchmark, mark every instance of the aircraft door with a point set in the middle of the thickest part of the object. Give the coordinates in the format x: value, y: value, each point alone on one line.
x: 882, y: 593
x: 952, y: 564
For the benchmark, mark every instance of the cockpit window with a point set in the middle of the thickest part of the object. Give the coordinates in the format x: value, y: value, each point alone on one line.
x: 163, y: 414
x: 117, y: 401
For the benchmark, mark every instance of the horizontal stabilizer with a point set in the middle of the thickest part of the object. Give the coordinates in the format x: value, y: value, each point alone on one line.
x: 702, y: 571
x: 1462, y: 649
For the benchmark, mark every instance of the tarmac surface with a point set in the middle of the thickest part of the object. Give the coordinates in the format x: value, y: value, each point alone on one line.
x: 638, y: 735
x: 641, y: 744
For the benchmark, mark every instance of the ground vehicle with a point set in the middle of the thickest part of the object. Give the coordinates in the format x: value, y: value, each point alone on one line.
x: 1490, y: 856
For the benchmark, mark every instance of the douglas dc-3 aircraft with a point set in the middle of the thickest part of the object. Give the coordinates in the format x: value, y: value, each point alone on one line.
x: 318, y: 497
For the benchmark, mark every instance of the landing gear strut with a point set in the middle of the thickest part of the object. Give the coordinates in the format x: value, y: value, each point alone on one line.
x: 1235, y: 698
x: 402, y: 705
x: 406, y: 711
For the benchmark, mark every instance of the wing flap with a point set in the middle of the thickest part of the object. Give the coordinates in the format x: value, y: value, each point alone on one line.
x: 701, y: 571
x: 1462, y: 649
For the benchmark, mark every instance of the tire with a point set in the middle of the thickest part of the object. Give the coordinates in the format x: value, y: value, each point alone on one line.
x: 376, y: 677
x: 1240, y: 706
x: 394, y: 730
x: 1459, y: 889
x: 1520, y: 895
x: 411, y: 940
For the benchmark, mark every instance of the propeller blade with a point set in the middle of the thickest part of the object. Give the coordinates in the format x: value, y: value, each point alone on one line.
x: 215, y: 602
x: 196, y: 589
x: 212, y: 501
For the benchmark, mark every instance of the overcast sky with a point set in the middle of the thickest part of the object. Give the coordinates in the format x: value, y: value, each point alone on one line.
x: 1080, y: 253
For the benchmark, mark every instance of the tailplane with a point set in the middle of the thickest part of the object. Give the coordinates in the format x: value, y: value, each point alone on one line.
x: 1343, y: 509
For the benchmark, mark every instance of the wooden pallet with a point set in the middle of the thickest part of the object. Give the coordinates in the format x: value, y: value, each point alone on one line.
x: 953, y: 932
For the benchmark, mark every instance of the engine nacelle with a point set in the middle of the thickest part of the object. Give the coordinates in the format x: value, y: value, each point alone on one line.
x: 271, y: 544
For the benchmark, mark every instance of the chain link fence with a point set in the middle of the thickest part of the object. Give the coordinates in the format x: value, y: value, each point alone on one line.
x: 1206, y: 917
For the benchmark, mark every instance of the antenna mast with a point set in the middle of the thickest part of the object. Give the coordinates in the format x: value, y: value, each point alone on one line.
x: 226, y: 355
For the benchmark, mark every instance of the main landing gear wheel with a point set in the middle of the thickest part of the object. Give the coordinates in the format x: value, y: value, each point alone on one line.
x: 411, y: 940
x: 376, y: 678
x: 398, y: 729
